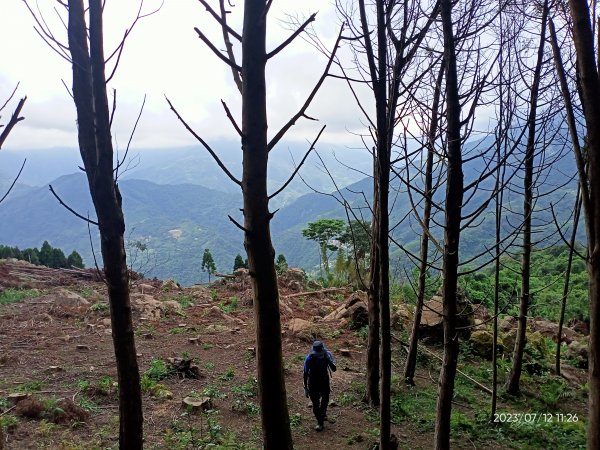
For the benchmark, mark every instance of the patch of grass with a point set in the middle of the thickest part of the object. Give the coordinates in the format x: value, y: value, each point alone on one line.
x: 228, y: 375
x: 345, y: 399
x: 82, y: 385
x: 45, y: 427
x: 206, y: 346
x: 338, y: 297
x: 363, y: 333
x: 248, y: 389
x: 295, y: 420
x: 29, y: 387
x: 9, y: 296
x: 177, y: 330
x: 416, y: 405
x: 86, y: 292
x: 106, y: 384
x: 184, y: 300
x: 241, y: 398
x: 214, y: 295
x: 157, y: 371
x: 553, y: 390
x: 210, y: 391
x: 209, y: 365
x: 301, y: 302
x: 230, y: 306
x: 9, y: 422
x: 99, y: 307
x: 89, y: 405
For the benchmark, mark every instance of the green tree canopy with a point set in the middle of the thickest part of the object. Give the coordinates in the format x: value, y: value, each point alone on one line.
x: 46, y: 254
x: 75, y: 260
x: 58, y: 259
x: 208, y: 263
x: 239, y: 263
x: 281, y: 264
x: 324, y: 232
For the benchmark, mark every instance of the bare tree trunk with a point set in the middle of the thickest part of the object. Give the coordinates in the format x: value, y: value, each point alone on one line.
x: 563, y: 306
x: 454, y: 198
x: 261, y: 255
x: 95, y: 144
x: 512, y: 382
x: 583, y: 38
x: 411, y: 358
x: 373, y: 300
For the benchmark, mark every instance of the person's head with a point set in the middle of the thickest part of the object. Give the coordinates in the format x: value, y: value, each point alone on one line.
x: 318, y: 348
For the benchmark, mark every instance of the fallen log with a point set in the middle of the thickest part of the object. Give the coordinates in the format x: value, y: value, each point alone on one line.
x: 321, y: 291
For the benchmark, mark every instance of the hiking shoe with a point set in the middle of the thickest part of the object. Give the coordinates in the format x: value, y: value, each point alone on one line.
x: 319, y: 427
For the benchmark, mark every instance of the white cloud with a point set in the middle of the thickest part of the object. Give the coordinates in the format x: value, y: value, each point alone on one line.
x: 164, y: 56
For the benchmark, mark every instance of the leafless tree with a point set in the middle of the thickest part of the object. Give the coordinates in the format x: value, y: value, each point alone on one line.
x: 85, y: 51
x: 249, y: 78
x: 512, y: 383
x: 583, y: 16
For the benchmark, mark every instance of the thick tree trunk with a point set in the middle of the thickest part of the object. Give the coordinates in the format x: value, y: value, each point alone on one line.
x: 411, y: 359
x: 514, y: 376
x: 583, y: 38
x: 452, y: 220
x: 89, y: 93
x: 261, y: 255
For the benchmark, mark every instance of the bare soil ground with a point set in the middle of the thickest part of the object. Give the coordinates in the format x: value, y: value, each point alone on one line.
x: 57, y: 347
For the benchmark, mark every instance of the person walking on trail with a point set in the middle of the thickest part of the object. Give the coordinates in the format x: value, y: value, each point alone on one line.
x: 317, y: 365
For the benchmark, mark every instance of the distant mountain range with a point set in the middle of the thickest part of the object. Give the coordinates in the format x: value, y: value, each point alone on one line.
x: 177, y: 219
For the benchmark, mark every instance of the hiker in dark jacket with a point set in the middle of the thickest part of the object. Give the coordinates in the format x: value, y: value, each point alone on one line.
x: 316, y: 380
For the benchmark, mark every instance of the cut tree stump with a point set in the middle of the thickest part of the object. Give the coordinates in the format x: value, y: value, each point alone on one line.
x: 195, y: 405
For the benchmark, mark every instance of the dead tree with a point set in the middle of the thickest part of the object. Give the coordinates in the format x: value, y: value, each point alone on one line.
x: 411, y: 358
x: 512, y: 383
x: 582, y: 191
x: 85, y: 51
x: 95, y: 145
x: 454, y: 198
x: 250, y: 80
x: 589, y: 95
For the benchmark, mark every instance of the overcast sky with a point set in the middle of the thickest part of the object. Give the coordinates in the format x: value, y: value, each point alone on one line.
x: 164, y: 56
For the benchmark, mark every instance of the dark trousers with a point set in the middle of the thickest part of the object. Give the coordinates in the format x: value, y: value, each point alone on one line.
x: 320, y: 399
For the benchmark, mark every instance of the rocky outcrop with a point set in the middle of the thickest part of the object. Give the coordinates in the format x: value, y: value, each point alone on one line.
x: 150, y: 308
x: 482, y: 342
x: 302, y: 329
x: 432, y: 327
x: 578, y: 350
x: 294, y: 279
x: 403, y: 317
x: 550, y: 330
x: 352, y: 314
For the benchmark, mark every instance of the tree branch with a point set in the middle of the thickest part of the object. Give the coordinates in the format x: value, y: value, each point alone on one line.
x: 14, y: 119
x: 310, y: 98
x: 231, y: 119
x: 312, y: 146
x: 14, y: 182
x: 292, y: 37
x: 71, y: 209
x: 214, y: 49
x: 206, y: 146
x: 221, y: 19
